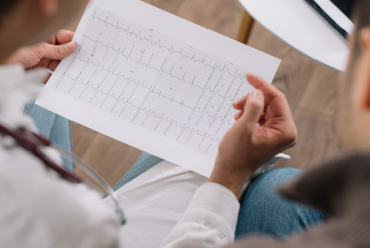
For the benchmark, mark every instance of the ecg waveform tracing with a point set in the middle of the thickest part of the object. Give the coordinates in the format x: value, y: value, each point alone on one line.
x: 153, y: 81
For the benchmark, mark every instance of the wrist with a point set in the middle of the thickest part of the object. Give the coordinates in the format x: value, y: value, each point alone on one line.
x: 231, y: 178
x: 234, y: 187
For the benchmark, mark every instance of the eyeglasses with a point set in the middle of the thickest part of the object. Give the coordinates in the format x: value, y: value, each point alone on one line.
x: 33, y: 143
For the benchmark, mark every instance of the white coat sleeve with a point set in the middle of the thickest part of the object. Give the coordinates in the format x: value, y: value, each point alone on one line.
x: 209, y: 221
x: 43, y: 211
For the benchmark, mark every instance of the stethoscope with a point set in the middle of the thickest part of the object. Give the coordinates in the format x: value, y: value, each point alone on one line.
x: 34, y: 143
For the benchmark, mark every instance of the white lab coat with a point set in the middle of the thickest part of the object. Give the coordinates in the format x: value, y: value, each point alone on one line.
x: 168, y: 206
x: 37, y: 208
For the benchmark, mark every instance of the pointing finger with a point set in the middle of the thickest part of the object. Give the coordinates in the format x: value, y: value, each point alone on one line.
x: 239, y: 104
x: 275, y: 99
x: 269, y: 91
x: 253, y: 109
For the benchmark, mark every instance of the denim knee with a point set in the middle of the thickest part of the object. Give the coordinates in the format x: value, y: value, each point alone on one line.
x: 264, y: 211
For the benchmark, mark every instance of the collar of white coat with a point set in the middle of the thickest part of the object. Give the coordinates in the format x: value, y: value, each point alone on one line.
x: 17, y: 87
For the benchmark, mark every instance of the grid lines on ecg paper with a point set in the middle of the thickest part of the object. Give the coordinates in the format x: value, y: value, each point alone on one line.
x: 153, y: 81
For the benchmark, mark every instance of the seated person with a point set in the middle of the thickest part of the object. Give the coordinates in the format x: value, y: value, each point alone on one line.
x: 166, y: 205
x: 340, y: 187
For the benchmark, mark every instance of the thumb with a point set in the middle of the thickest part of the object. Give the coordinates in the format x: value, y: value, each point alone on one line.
x: 253, y: 109
x: 57, y: 51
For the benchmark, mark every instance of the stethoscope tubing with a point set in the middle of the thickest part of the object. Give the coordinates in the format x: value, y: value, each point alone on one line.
x: 93, y: 174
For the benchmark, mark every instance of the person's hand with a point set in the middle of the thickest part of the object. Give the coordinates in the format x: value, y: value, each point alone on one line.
x: 247, y: 146
x: 46, y: 54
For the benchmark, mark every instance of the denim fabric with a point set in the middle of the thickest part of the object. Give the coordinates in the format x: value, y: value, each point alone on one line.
x: 144, y: 163
x: 53, y: 127
x: 263, y: 211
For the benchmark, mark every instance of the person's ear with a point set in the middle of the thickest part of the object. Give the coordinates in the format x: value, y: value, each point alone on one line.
x: 49, y: 7
x: 364, y: 39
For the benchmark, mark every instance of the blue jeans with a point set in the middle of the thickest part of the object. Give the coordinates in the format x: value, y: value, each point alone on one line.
x: 262, y: 210
x: 53, y: 127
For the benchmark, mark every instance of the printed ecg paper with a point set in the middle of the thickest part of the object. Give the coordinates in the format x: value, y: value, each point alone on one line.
x: 154, y: 81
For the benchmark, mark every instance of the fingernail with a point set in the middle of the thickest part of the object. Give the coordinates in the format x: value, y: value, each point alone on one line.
x: 238, y: 115
x: 70, y: 46
x: 257, y: 93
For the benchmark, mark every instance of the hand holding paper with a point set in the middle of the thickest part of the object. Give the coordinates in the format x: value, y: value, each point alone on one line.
x: 154, y: 81
x: 247, y: 146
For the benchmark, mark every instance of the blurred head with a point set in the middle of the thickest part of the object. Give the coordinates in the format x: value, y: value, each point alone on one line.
x: 355, y: 100
x: 26, y: 22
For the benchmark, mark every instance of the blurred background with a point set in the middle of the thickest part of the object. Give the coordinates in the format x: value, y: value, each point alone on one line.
x: 312, y: 91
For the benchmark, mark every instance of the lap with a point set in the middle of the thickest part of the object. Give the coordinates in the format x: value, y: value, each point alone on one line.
x: 263, y: 211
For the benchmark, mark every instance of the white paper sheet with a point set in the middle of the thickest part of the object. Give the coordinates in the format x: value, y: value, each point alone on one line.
x: 154, y: 81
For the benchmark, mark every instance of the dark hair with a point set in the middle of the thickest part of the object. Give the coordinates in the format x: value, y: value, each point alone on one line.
x: 6, y: 6
x: 361, y: 20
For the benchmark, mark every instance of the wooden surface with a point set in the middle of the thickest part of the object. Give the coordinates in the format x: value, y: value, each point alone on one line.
x: 311, y: 89
x: 245, y: 28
